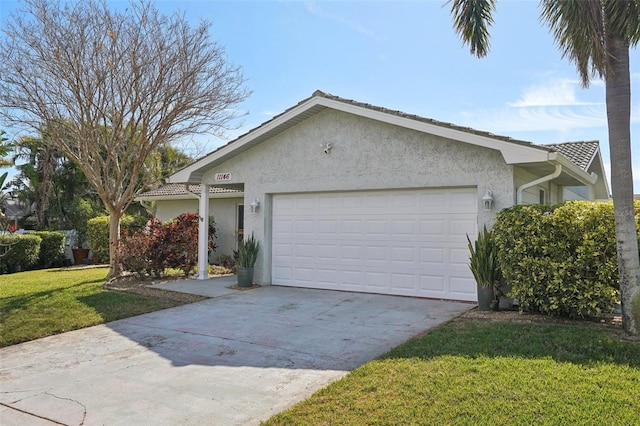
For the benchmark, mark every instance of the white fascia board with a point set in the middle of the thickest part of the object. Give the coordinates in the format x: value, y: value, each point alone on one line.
x: 190, y: 196
x: 573, y: 170
x: 193, y: 173
x: 513, y: 153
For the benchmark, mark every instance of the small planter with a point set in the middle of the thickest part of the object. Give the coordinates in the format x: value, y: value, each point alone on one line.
x: 79, y: 255
x: 485, y: 298
x: 245, y: 277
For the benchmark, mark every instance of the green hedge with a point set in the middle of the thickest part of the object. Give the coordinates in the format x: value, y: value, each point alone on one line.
x: 98, y: 232
x: 51, y: 248
x: 560, y: 260
x: 19, y: 252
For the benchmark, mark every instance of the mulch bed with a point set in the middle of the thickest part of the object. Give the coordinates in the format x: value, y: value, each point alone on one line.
x: 140, y: 286
x: 614, y: 321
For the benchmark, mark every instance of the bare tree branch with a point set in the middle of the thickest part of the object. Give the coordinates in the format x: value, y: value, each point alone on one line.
x: 111, y: 87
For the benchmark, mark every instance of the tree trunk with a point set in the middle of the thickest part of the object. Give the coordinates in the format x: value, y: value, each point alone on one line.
x: 618, y: 90
x: 115, y: 269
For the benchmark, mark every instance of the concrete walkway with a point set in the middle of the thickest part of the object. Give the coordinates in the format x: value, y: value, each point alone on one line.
x: 234, y: 359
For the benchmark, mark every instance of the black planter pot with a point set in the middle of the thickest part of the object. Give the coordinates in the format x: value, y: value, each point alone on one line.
x: 245, y: 277
x: 485, y: 298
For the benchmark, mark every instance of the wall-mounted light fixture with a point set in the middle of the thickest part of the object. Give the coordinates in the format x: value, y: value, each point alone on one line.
x: 254, y: 205
x: 487, y: 200
x: 326, y: 147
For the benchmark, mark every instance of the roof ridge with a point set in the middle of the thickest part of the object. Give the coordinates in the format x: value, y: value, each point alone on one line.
x: 320, y: 93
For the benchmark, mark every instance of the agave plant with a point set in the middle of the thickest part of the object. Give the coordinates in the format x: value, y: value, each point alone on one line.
x: 484, y: 260
x: 248, y: 252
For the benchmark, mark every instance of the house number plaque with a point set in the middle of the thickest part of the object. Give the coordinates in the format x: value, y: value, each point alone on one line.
x: 220, y: 177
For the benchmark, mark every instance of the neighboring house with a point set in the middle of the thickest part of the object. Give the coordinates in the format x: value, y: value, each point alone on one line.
x: 349, y: 196
x: 13, y: 211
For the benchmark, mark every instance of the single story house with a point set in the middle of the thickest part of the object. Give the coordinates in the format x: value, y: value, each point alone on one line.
x: 349, y: 196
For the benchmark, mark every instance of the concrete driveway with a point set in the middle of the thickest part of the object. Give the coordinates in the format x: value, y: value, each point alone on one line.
x: 232, y: 360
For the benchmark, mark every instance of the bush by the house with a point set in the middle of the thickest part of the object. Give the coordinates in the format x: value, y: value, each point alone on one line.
x: 98, y: 232
x: 51, y: 248
x: 142, y: 253
x: 560, y: 260
x: 18, y: 252
x: 181, y: 238
x: 173, y: 244
x: 226, y: 262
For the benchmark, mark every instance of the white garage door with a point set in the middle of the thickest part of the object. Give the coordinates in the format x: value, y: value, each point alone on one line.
x: 404, y: 242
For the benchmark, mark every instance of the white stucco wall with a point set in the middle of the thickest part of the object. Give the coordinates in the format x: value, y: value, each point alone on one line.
x: 223, y: 210
x: 366, y: 154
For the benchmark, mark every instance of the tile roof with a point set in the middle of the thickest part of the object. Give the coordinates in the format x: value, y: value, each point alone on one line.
x: 422, y: 119
x: 580, y: 153
x: 175, y: 189
x: 320, y: 93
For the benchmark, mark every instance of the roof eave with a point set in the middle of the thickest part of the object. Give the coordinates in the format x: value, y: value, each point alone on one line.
x: 169, y: 197
x: 512, y: 152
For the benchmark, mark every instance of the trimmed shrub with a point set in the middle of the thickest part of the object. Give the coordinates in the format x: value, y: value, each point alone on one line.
x: 98, y: 235
x: 18, y: 252
x: 51, y: 248
x: 98, y: 232
x: 559, y: 260
x: 173, y: 244
x: 181, y: 242
x: 143, y: 252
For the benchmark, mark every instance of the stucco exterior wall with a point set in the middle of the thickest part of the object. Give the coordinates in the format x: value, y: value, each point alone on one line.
x: 366, y: 155
x: 223, y: 210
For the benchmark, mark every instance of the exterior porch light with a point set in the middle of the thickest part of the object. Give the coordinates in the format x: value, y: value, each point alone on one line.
x: 487, y: 200
x: 254, y: 205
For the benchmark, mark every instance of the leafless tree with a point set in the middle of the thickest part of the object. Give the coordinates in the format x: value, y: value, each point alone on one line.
x: 112, y: 86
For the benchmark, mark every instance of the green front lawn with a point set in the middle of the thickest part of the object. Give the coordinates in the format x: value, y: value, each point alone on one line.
x: 40, y: 303
x: 488, y: 373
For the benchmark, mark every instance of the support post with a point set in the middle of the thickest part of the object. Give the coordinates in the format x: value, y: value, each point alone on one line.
x: 203, y: 233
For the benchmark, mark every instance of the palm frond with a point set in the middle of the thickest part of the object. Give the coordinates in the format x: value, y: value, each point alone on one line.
x: 472, y: 20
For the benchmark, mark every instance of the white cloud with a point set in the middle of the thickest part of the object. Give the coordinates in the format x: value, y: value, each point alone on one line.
x: 555, y: 93
x: 313, y: 8
x: 553, y: 106
x: 527, y: 119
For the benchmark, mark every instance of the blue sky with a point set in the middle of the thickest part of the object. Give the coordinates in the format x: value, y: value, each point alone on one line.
x: 404, y: 55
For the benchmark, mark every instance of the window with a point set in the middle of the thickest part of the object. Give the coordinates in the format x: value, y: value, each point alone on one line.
x: 240, y: 222
x: 541, y: 196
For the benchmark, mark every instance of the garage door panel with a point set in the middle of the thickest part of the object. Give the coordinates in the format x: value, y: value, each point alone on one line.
x: 409, y: 242
x: 462, y: 286
x: 305, y: 250
x: 463, y: 227
x: 431, y: 284
x: 459, y: 258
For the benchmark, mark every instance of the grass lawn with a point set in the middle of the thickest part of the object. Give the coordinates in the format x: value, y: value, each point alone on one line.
x: 481, y: 373
x: 40, y: 303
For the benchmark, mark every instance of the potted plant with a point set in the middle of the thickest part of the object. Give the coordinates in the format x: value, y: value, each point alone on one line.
x: 77, y: 214
x: 485, y: 269
x: 247, y: 256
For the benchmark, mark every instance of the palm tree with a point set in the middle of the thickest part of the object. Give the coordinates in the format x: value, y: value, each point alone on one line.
x: 596, y: 36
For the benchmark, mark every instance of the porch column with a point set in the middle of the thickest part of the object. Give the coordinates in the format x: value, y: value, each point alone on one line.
x: 203, y: 233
